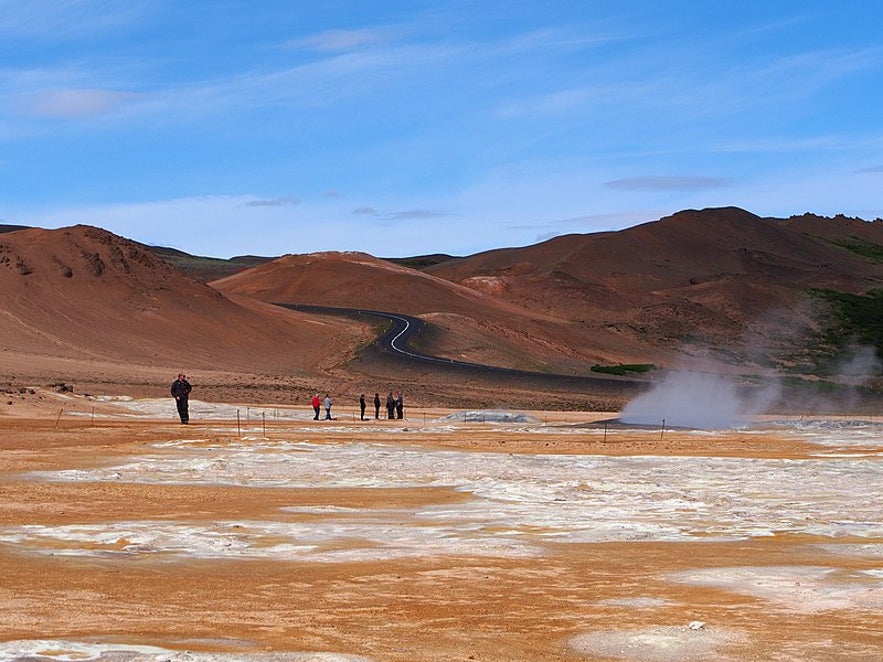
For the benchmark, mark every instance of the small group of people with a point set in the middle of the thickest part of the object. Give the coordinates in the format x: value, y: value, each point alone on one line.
x: 395, y: 405
x: 395, y: 402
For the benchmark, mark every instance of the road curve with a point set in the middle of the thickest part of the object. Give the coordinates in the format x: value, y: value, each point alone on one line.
x: 397, y: 341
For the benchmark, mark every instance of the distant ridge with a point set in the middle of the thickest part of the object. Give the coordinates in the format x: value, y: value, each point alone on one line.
x: 420, y: 261
x: 205, y: 269
x: 12, y: 228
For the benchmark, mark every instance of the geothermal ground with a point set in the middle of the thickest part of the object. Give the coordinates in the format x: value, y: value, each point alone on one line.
x: 257, y: 533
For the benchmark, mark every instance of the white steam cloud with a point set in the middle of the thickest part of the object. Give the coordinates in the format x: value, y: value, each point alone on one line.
x: 706, y: 400
x: 860, y: 364
x: 699, y: 400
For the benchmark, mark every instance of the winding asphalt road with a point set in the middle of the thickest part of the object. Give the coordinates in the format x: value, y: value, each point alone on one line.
x: 397, y: 341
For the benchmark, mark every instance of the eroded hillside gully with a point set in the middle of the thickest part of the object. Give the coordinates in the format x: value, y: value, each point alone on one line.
x: 440, y: 537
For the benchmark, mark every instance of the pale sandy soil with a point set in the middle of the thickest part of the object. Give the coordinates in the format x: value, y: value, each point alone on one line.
x: 276, y: 537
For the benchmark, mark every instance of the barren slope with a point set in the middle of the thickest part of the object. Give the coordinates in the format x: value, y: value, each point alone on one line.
x: 476, y: 326
x: 81, y: 299
x: 712, y: 276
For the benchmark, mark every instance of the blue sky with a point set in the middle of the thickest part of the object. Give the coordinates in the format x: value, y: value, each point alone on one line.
x: 402, y: 128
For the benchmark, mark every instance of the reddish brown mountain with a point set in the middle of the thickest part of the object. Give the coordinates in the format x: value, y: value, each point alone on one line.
x: 472, y: 325
x: 713, y: 277
x: 718, y: 283
x: 81, y: 299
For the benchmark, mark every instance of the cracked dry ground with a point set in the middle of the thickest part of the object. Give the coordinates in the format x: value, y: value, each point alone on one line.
x: 415, y: 606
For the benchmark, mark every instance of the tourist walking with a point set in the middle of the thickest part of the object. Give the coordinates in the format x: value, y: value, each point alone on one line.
x: 181, y: 392
x: 317, y: 404
x: 327, y: 407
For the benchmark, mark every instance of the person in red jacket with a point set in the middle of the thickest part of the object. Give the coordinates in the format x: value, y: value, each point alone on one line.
x: 317, y: 404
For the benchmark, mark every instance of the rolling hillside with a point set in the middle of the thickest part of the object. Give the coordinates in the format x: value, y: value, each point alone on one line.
x: 83, y: 295
x: 720, y: 278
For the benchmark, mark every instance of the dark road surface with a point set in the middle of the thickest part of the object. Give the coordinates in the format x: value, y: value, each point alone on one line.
x: 396, y: 341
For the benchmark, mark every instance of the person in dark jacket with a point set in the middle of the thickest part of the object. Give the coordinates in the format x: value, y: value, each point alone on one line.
x: 390, y: 406
x: 400, y: 405
x: 362, y: 406
x: 376, y: 405
x: 181, y: 392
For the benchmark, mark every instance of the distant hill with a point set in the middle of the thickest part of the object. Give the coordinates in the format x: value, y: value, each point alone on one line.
x: 11, y: 228
x: 466, y: 324
x: 205, y: 269
x: 723, y: 279
x: 82, y: 294
x: 202, y: 269
x: 420, y: 261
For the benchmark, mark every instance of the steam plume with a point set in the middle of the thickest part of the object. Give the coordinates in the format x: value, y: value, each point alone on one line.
x: 698, y: 400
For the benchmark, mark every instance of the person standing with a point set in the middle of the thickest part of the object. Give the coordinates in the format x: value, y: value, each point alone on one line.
x: 400, y: 405
x: 390, y: 406
x: 327, y: 406
x: 316, y: 405
x: 362, y: 406
x: 181, y: 392
x: 376, y: 405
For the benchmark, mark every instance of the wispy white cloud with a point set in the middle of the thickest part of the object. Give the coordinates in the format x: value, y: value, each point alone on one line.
x: 286, y: 201
x: 667, y: 183
x: 405, y: 215
x: 62, y: 19
x: 416, y: 214
x: 74, y: 103
x: 342, y: 40
x: 74, y: 90
x: 555, y: 41
x: 310, y: 86
x: 759, y: 83
x: 783, y: 144
x: 351, y: 64
x: 552, y: 103
x: 365, y: 211
x: 690, y: 82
